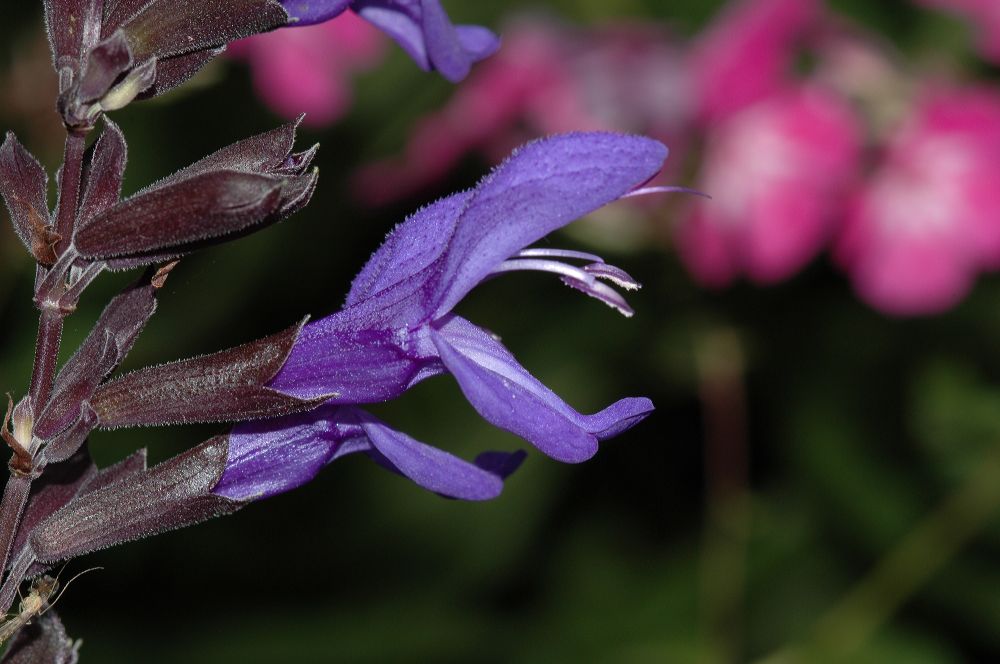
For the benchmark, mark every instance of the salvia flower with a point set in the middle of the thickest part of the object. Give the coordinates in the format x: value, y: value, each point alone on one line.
x: 747, y: 53
x: 777, y: 171
x: 926, y: 223
x: 397, y: 328
x: 420, y: 27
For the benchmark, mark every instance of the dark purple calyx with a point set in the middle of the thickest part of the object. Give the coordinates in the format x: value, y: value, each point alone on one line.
x: 227, y: 386
x: 109, y: 52
x: 174, y: 494
x: 232, y: 192
x: 23, y: 185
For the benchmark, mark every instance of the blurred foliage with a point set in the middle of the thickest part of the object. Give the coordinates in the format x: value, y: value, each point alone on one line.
x: 865, y: 529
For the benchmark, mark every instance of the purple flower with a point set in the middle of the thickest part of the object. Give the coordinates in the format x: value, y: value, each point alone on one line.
x: 421, y: 27
x: 397, y: 329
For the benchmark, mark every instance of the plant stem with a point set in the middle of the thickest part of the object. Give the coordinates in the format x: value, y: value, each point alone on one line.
x: 50, y: 328
x: 903, y: 570
x: 50, y: 323
x: 720, y: 367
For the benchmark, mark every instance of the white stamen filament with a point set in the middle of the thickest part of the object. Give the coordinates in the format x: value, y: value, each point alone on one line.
x: 585, y: 279
x: 538, y: 252
x: 538, y: 265
x: 646, y: 191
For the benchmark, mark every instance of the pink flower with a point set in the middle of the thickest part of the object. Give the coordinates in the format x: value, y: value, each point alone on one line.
x: 984, y: 15
x: 929, y: 220
x: 776, y: 171
x: 746, y: 55
x: 309, y: 69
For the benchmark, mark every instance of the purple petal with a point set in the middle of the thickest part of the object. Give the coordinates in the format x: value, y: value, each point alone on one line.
x: 338, y: 355
x: 430, y: 467
x: 501, y: 464
x: 410, y: 248
x: 308, y: 12
x: 423, y: 30
x: 273, y: 456
x: 541, y: 187
x: 479, y: 42
x: 506, y: 395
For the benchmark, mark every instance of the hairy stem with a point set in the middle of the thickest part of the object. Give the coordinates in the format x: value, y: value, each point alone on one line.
x: 50, y: 327
x: 50, y: 323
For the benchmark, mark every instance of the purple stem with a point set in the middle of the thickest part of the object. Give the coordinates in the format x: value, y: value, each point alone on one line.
x: 50, y: 328
x: 50, y: 323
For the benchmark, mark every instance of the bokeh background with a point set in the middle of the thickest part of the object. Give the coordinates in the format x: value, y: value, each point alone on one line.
x: 820, y: 481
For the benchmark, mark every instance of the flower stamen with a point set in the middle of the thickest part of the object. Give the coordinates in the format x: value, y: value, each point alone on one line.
x: 586, y: 279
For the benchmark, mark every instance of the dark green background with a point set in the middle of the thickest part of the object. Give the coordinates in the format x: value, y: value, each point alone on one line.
x: 861, y: 430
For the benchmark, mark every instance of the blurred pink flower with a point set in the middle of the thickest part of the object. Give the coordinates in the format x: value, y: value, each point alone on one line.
x: 929, y: 220
x: 747, y: 53
x: 309, y: 69
x: 983, y: 15
x: 546, y: 79
x: 777, y: 171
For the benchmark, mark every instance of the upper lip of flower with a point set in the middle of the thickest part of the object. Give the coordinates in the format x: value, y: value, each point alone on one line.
x: 461, y: 240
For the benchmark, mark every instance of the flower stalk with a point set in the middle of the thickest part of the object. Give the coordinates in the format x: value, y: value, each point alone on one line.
x: 294, y: 399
